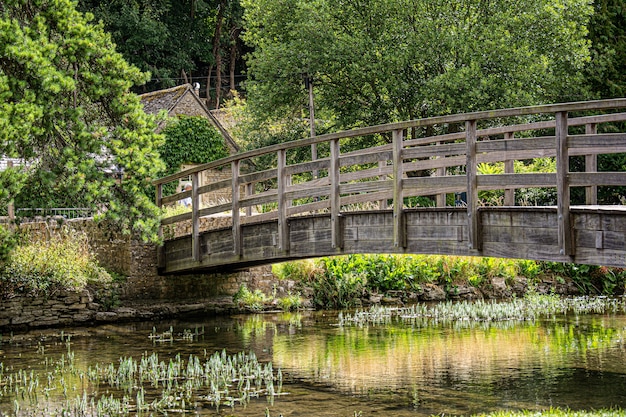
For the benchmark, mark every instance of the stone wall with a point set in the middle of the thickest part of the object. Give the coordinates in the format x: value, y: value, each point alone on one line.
x: 144, y: 294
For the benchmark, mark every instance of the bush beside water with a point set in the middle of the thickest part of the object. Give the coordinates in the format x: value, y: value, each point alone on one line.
x: 39, y: 267
x: 340, y: 282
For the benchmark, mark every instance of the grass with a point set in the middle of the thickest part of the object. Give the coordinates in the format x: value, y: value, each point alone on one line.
x: 61, y: 262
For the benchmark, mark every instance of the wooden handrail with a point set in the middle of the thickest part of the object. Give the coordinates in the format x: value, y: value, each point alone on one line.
x: 392, y: 172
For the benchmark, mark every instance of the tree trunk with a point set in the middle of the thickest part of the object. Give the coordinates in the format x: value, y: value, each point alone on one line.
x: 216, y: 53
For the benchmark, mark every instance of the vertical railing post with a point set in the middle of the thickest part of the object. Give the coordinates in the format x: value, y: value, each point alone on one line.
x: 509, y: 168
x: 473, y: 222
x: 591, y: 165
x: 283, y: 225
x: 562, y: 185
x: 382, y: 204
x: 161, y: 247
x: 440, y: 172
x: 235, y: 209
x: 335, y: 197
x: 249, y: 193
x: 399, y: 227
x: 195, y: 219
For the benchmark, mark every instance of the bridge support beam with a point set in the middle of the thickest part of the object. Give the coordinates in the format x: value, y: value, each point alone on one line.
x: 195, y: 219
x: 566, y: 246
x: 237, y: 244
x: 336, y: 229
x: 283, y: 181
x: 399, y: 223
x: 473, y: 221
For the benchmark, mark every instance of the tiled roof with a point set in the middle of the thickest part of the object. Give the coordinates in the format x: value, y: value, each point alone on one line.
x: 156, y: 101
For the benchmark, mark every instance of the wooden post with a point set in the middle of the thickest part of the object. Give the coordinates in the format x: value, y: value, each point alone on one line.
x: 249, y: 192
x: 473, y: 224
x: 195, y: 220
x: 235, y: 209
x: 335, y: 197
x: 283, y: 225
x: 399, y: 227
x: 509, y: 168
x: 161, y: 247
x: 562, y: 184
x: 382, y: 204
x: 440, y: 172
x: 591, y: 165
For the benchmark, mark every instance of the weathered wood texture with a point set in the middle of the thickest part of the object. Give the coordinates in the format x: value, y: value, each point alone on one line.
x: 307, y: 209
x: 510, y: 232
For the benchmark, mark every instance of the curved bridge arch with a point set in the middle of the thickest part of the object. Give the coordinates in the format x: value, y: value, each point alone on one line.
x: 359, y: 201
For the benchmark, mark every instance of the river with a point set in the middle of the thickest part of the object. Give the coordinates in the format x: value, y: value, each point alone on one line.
x: 401, y: 368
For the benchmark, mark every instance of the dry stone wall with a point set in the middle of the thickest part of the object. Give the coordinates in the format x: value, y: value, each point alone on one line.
x: 144, y: 294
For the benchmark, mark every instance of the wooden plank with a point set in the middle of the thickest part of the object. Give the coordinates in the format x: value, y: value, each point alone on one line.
x: 319, y: 164
x: 161, y: 247
x: 584, y: 179
x: 450, y: 149
x: 236, y: 224
x: 472, y: 187
x: 566, y: 246
x: 591, y: 165
x: 335, y: 196
x: 370, y: 173
x: 509, y: 168
x: 258, y: 176
x: 510, y: 145
x: 283, y: 225
x: 195, y: 219
x: 365, y: 187
x: 526, y: 180
x: 432, y: 185
x: 383, y: 172
x: 456, y: 118
x: 399, y: 226
x: 362, y: 158
x: 607, y: 141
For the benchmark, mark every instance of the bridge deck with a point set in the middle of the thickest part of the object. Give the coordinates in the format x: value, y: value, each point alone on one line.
x: 511, y: 232
x: 358, y: 201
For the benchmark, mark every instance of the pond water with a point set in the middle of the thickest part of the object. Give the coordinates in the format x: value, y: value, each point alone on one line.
x: 400, y: 369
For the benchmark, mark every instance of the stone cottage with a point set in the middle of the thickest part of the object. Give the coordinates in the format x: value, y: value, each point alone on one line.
x: 184, y: 99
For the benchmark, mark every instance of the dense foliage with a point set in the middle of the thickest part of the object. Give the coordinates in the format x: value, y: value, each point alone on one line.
x: 342, y: 281
x: 178, y: 41
x: 63, y: 262
x: 65, y: 108
x: 191, y: 140
x: 404, y: 59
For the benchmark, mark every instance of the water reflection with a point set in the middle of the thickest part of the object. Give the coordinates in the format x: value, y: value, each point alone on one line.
x: 402, y: 367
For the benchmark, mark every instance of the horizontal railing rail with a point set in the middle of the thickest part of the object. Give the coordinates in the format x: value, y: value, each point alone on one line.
x: 389, y: 175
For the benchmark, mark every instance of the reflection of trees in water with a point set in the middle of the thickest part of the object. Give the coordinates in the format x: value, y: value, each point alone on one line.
x: 483, y: 357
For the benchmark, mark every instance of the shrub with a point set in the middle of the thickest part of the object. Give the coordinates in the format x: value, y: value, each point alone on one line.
x: 290, y: 302
x: 63, y: 262
x: 250, y: 300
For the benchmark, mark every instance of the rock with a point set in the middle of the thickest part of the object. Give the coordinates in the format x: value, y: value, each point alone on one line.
x: 432, y: 292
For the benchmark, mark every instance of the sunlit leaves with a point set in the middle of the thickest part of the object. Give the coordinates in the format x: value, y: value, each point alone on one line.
x: 67, y: 111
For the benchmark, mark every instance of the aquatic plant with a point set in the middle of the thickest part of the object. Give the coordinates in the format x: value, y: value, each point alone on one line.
x: 531, y: 307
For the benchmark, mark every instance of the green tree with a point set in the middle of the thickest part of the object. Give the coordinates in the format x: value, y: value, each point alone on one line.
x: 178, y: 41
x: 378, y: 61
x: 66, y: 109
x: 606, y: 73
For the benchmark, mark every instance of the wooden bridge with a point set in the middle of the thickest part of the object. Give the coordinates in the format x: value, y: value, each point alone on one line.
x: 364, y: 199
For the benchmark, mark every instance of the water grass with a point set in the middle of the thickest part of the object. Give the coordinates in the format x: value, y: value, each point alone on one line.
x: 532, y: 307
x: 148, y: 384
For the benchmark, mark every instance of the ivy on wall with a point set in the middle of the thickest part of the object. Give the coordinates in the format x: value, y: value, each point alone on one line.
x: 191, y: 140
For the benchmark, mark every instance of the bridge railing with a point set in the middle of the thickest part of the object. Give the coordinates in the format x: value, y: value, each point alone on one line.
x: 389, y: 174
